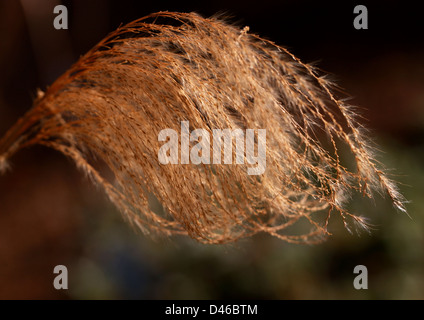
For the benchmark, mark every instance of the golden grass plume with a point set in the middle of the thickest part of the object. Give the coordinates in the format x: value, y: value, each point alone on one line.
x: 165, y: 68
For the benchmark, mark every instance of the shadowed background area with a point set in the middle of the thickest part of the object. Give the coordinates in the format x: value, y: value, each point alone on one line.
x: 50, y: 214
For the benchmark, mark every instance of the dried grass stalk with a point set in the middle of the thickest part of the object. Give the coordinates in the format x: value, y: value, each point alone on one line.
x: 170, y: 67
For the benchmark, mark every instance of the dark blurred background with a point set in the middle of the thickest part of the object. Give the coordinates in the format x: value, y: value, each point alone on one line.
x: 50, y: 214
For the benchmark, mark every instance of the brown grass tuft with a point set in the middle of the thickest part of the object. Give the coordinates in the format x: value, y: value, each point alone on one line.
x: 169, y: 67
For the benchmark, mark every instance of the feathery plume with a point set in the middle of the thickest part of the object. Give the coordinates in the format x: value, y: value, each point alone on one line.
x: 166, y: 68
